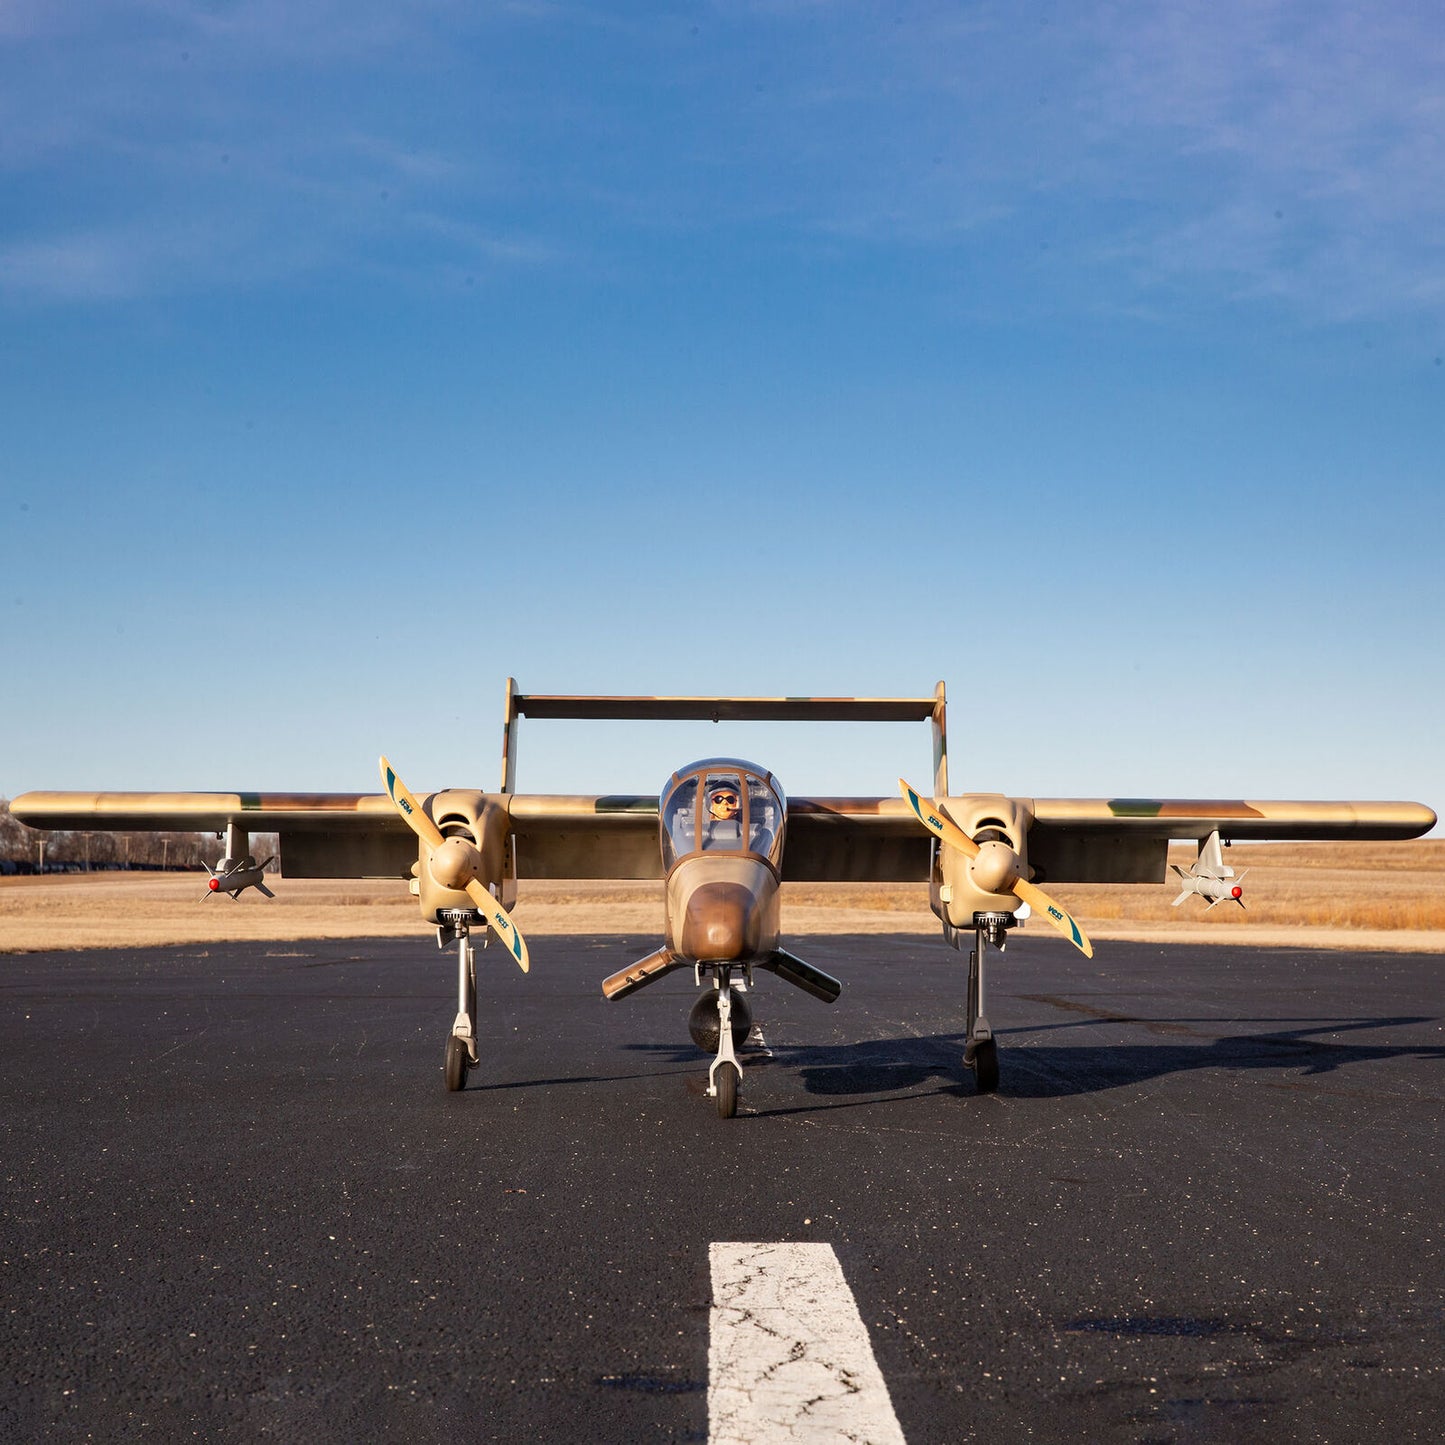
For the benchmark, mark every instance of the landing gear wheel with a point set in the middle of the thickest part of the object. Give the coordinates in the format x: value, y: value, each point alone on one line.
x: 727, y: 1090
x: 457, y: 1061
x: 983, y: 1060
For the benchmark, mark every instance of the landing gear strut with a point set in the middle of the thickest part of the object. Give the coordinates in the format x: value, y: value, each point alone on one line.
x: 455, y: 927
x: 980, y: 1052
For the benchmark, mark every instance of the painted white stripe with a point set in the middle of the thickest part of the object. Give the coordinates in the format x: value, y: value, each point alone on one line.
x: 788, y: 1357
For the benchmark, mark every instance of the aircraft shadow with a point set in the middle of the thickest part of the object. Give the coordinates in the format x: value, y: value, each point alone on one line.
x: 1050, y: 1071
x: 933, y: 1062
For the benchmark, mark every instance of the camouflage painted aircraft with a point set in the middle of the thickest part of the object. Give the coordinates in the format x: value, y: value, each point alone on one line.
x: 715, y: 838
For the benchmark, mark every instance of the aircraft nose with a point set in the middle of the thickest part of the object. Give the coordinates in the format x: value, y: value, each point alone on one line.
x: 720, y: 922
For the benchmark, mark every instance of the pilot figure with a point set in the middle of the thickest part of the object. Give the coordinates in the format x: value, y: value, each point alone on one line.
x: 723, y: 828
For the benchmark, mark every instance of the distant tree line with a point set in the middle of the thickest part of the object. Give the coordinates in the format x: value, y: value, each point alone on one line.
x: 86, y: 850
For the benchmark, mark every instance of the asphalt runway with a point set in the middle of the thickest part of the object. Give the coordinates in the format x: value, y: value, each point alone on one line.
x: 1205, y: 1204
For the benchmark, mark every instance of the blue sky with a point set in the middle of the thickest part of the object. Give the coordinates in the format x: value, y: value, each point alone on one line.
x: 1086, y: 357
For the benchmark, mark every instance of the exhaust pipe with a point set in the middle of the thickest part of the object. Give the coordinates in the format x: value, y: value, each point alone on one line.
x: 640, y: 974
x: 801, y: 974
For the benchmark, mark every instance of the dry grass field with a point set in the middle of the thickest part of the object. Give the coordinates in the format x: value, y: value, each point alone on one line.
x: 1361, y: 896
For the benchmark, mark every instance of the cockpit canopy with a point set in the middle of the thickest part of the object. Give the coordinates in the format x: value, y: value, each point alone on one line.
x: 722, y: 805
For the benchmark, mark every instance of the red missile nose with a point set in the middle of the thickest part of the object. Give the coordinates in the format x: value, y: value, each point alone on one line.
x: 214, y: 885
x: 1236, y: 891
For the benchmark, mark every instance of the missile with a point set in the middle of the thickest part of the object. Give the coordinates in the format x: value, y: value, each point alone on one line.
x: 1217, y: 890
x: 1210, y: 877
x: 229, y: 876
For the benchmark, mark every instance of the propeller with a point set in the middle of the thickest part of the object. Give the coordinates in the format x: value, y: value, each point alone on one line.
x: 457, y: 862
x: 1000, y: 877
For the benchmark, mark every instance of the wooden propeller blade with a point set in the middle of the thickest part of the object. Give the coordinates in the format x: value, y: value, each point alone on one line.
x: 1059, y: 916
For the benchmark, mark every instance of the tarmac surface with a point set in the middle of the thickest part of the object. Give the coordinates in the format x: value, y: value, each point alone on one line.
x: 1204, y: 1205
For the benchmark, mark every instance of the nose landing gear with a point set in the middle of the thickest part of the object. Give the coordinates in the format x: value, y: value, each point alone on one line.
x: 725, y: 1076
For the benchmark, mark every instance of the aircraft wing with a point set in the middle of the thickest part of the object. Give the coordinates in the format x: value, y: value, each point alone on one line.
x: 322, y: 835
x: 361, y: 835
x: 1075, y: 840
x: 208, y: 812
x: 1070, y: 840
x: 613, y: 836
x: 854, y: 840
x: 1126, y: 840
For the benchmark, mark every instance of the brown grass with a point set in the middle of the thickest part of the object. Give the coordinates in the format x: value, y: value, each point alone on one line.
x: 1392, y: 886
x: 1373, y: 895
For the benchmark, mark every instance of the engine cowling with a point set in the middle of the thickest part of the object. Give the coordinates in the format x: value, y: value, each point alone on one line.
x: 959, y: 886
x: 474, y: 834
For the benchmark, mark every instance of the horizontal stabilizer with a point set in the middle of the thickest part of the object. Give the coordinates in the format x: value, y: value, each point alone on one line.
x: 801, y: 974
x: 640, y: 974
x: 727, y: 709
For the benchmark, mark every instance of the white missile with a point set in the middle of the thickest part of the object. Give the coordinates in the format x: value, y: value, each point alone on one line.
x: 234, y: 877
x: 1210, y: 877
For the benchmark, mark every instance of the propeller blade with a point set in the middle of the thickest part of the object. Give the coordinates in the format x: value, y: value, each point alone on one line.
x: 409, y: 808
x: 1059, y: 916
x: 428, y: 832
x: 933, y: 817
x: 938, y: 822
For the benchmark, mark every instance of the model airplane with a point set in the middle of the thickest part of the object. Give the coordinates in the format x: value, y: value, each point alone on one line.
x: 716, y: 839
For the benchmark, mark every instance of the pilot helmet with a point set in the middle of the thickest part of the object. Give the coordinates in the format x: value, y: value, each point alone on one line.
x: 723, y: 794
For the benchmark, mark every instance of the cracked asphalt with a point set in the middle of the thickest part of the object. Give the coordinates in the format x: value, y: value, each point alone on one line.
x: 1205, y: 1204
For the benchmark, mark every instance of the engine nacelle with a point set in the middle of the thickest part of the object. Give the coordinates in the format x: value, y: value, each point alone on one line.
x: 474, y: 839
x: 960, y: 886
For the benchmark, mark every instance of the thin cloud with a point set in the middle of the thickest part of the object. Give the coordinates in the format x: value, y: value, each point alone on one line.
x: 1234, y: 150
x: 133, y: 260
x: 1224, y: 152
x: 91, y: 266
x: 1276, y: 149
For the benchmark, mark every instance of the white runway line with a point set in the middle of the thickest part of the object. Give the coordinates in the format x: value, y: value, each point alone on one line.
x: 788, y: 1357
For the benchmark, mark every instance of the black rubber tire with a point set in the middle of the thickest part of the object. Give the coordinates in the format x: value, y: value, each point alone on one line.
x: 727, y: 1090
x: 985, y: 1066
x: 457, y: 1061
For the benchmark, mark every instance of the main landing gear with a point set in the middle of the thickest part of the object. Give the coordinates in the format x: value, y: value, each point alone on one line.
x: 980, y: 1052
x: 455, y: 927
